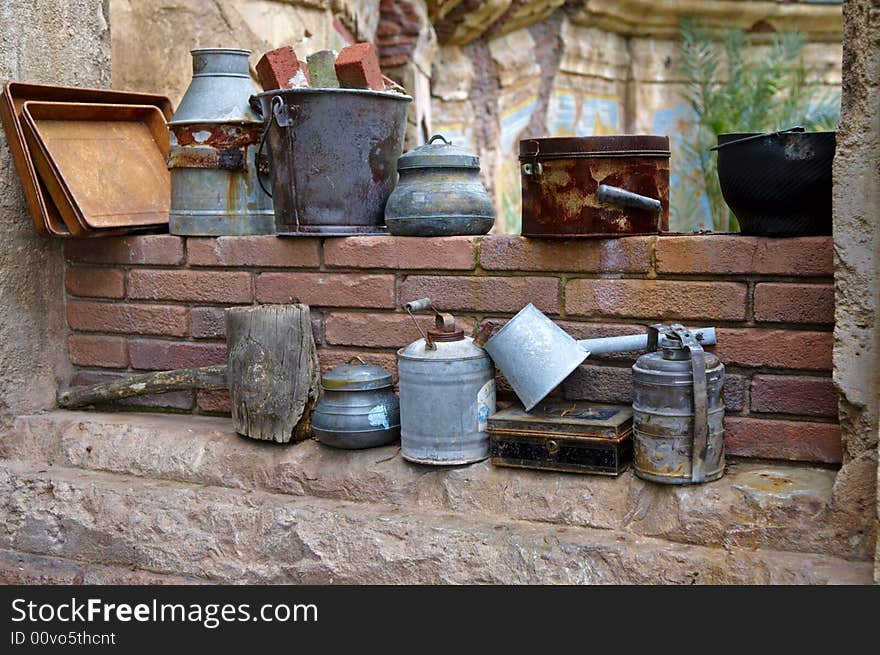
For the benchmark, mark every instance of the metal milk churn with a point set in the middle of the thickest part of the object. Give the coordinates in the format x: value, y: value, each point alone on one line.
x: 215, y: 135
x: 447, y: 393
x: 678, y: 412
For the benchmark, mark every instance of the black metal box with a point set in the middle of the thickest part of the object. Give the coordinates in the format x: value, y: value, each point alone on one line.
x: 576, y: 437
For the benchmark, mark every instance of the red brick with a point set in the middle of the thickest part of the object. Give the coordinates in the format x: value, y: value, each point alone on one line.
x: 730, y: 254
x: 214, y: 401
x: 785, y: 349
x: 327, y: 289
x: 401, y: 253
x: 161, y: 249
x: 734, y: 392
x: 794, y: 394
x: 600, y: 384
x: 381, y: 330
x: 208, y: 322
x: 277, y: 69
x: 657, y: 299
x: 173, y: 400
x: 128, y: 319
x: 255, y: 251
x: 357, y: 67
x: 158, y: 355
x: 793, y: 440
x: 95, y: 282
x: 191, y: 286
x: 387, y: 28
x: 106, y: 352
x: 794, y: 303
x: 515, y: 253
x: 483, y: 294
x: 333, y: 357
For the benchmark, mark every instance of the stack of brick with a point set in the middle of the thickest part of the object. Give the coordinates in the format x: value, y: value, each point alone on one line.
x: 156, y: 302
x: 356, y: 67
x: 397, y: 33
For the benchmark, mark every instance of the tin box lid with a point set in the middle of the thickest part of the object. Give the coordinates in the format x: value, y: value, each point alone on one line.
x: 356, y: 375
x: 624, y: 145
x: 438, y: 155
x: 565, y: 418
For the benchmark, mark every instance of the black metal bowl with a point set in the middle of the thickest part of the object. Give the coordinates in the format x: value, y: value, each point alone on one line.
x: 778, y: 184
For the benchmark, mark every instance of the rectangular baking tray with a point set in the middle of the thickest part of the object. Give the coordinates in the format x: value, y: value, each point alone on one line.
x: 104, y: 165
x: 44, y: 214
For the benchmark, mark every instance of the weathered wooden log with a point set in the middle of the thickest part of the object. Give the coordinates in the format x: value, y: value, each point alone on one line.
x: 206, y: 377
x: 273, y: 371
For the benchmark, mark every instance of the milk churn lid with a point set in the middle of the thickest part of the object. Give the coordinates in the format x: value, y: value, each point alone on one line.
x: 356, y: 375
x: 438, y: 155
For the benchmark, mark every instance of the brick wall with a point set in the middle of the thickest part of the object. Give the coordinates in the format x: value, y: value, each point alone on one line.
x: 156, y: 302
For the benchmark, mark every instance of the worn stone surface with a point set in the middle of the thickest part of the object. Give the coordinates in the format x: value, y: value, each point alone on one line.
x: 270, y: 538
x: 64, y: 42
x: 205, y: 451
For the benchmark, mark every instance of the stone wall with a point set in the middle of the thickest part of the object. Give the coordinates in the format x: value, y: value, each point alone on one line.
x: 64, y: 42
x: 857, y: 235
x: 156, y: 302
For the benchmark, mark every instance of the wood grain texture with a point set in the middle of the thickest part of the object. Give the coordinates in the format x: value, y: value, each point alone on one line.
x: 273, y: 371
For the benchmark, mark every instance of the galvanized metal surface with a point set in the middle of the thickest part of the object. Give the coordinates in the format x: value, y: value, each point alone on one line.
x: 439, y: 193
x: 536, y: 355
x: 103, y: 164
x: 220, y: 89
x: 214, y: 162
x: 560, y: 179
x: 334, y: 154
x: 678, y: 431
x: 447, y: 393
x: 46, y: 217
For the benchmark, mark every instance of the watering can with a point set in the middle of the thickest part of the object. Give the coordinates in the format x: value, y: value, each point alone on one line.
x: 536, y: 355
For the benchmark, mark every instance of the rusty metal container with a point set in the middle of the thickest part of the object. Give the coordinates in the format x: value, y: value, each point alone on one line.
x: 447, y: 393
x: 594, y: 186
x: 334, y: 154
x: 678, y: 412
x: 215, y: 135
x: 439, y: 193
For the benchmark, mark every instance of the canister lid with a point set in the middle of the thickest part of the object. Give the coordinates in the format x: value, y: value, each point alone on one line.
x: 623, y: 145
x: 356, y: 375
x: 438, y: 155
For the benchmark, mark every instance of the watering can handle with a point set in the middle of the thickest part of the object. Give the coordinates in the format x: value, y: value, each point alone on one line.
x: 633, y: 342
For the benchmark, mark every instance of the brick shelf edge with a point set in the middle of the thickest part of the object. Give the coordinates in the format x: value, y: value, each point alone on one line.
x: 155, y: 301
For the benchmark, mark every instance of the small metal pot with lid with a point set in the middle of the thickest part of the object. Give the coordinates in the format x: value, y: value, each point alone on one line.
x: 439, y: 193
x: 357, y: 408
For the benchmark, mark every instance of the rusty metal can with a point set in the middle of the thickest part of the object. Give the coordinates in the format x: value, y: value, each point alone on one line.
x: 678, y: 412
x: 215, y: 136
x: 594, y: 186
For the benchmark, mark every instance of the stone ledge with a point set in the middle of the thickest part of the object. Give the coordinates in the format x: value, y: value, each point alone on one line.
x: 791, y: 508
x: 228, y: 536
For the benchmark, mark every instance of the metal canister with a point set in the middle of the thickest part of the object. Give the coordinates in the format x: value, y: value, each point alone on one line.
x: 595, y: 186
x: 215, y: 136
x: 439, y: 193
x: 678, y: 411
x: 447, y: 393
x: 357, y: 408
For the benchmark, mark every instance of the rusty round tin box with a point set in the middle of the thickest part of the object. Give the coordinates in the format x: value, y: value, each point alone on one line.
x: 595, y: 186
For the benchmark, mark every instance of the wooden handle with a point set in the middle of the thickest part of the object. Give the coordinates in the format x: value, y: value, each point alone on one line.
x: 206, y: 377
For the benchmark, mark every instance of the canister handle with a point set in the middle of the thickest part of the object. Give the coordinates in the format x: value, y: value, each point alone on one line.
x: 701, y: 402
x: 617, y: 196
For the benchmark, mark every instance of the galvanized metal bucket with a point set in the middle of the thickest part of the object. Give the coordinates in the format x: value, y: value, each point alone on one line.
x: 333, y: 158
x: 536, y: 355
x: 215, y: 168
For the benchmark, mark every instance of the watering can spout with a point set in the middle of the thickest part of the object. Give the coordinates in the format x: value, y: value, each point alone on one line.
x: 634, y: 342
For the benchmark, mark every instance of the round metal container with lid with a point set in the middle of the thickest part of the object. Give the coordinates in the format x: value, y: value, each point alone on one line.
x: 357, y: 408
x: 447, y: 393
x: 664, y: 415
x: 439, y: 193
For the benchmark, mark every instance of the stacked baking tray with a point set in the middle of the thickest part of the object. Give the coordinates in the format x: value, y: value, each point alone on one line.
x: 91, y: 161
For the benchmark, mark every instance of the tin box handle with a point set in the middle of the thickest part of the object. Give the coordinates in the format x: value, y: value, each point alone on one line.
x: 617, y: 196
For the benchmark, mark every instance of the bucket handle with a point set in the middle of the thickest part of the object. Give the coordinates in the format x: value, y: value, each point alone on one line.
x: 796, y: 128
x: 283, y: 116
